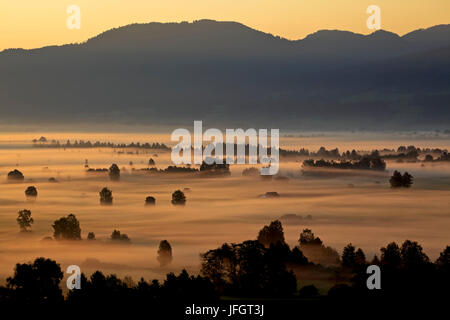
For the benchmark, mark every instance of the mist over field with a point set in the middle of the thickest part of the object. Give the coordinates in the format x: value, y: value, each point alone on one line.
x: 359, y: 208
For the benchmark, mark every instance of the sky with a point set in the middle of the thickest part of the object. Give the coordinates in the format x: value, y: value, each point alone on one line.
x: 32, y: 24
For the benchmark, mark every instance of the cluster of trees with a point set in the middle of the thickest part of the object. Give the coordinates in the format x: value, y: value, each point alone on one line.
x: 398, y: 180
x: 38, y: 283
x: 44, y: 143
x: 365, y: 163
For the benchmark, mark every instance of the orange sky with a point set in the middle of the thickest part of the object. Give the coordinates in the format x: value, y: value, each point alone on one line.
x: 31, y: 23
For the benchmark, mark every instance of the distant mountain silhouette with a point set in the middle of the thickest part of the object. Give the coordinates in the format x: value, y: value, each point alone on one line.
x: 230, y: 75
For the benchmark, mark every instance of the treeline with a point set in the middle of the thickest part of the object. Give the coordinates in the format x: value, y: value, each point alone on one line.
x: 263, y: 268
x: 44, y: 143
x: 365, y: 163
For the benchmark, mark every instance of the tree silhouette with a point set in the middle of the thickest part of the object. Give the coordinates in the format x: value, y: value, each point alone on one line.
x: 67, y: 228
x: 360, y: 257
x: 164, y: 253
x: 390, y: 256
x: 396, y: 180
x: 91, y: 236
x: 37, y: 283
x: 307, y: 238
x: 443, y: 262
x: 150, y: 201
x: 106, y: 196
x: 412, y: 255
x: 178, y: 198
x: 349, y: 256
x: 151, y: 162
x: 31, y: 192
x: 114, y: 172
x: 24, y: 220
x: 271, y: 234
x: 407, y: 180
x: 15, y: 175
x: 117, y: 236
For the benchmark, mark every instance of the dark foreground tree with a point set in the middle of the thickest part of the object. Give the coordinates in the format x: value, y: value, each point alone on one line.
x: 24, y: 220
x: 31, y: 192
x: 106, y: 196
x: 164, y: 253
x: 67, y: 228
x: 250, y: 269
x: 15, y: 175
x: 117, y: 236
x: 36, y: 283
x: 271, y: 234
x: 178, y: 198
x: 114, y: 172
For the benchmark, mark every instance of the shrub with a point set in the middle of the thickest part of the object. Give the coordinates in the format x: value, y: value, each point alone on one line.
x: 178, y: 198
x: 31, y: 191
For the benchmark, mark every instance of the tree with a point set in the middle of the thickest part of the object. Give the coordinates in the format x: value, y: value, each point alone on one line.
x: 31, y: 192
x: 151, y: 162
x: 150, y: 201
x: 114, y: 172
x: 67, y: 228
x: 390, y: 256
x: 15, y: 175
x: 37, y: 283
x: 349, y: 256
x: 412, y: 255
x: 271, y: 234
x: 428, y: 158
x: 307, y: 238
x: 106, y: 196
x: 117, y: 236
x: 178, y: 198
x: 24, y: 220
x: 443, y: 262
x: 91, y: 236
x: 360, y: 257
x: 407, y: 180
x: 396, y: 180
x: 316, y: 251
x: 164, y: 253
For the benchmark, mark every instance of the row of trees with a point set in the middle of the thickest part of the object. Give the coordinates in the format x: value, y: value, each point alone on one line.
x: 266, y: 267
x: 365, y: 163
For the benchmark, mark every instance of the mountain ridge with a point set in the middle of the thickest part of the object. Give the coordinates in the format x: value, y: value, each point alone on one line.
x: 230, y: 74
